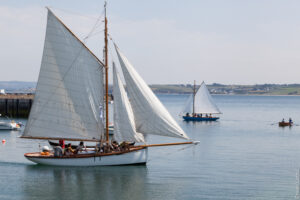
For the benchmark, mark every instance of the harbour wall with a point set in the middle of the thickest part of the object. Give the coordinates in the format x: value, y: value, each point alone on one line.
x: 15, y: 105
x: 18, y: 105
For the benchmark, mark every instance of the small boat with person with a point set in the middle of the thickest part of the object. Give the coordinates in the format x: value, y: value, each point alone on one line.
x: 284, y: 123
x: 200, y: 106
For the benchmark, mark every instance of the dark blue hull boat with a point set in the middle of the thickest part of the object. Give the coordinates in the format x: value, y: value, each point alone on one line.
x: 200, y: 118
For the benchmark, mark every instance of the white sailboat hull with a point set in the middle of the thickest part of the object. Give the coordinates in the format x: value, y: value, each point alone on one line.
x: 129, y: 158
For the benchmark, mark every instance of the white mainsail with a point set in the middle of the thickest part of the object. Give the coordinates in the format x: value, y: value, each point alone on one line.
x: 69, y: 90
x: 203, y: 102
x: 124, y: 125
x: 151, y: 117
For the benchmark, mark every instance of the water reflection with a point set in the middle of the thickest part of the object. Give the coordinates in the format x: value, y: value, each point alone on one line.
x: 125, y: 182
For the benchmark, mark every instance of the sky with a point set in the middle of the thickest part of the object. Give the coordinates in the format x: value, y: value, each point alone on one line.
x: 169, y: 41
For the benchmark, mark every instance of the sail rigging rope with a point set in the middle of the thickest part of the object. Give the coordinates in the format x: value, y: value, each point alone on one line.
x: 95, y: 26
x: 113, y: 58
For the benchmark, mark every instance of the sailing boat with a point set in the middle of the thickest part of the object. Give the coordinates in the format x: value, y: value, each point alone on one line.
x: 200, y: 106
x: 12, y: 125
x: 9, y: 125
x: 70, y: 96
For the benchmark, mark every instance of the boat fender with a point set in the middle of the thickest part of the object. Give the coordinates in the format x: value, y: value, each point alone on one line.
x: 3, y: 141
x: 45, y: 153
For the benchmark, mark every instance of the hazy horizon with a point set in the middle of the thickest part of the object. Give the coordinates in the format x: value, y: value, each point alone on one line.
x: 168, y: 42
x: 197, y: 83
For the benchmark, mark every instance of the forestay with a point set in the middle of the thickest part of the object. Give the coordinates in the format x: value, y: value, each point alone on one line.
x: 203, y: 102
x: 124, y: 125
x: 151, y: 117
x: 69, y: 90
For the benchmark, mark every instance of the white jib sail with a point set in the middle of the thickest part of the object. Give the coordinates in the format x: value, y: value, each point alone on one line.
x: 124, y: 125
x: 69, y: 90
x: 151, y: 117
x: 188, y: 105
x: 203, y: 102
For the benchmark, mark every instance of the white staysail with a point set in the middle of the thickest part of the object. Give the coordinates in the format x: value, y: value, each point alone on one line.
x: 151, y: 117
x: 203, y: 102
x: 124, y: 125
x: 188, y: 105
x: 69, y: 90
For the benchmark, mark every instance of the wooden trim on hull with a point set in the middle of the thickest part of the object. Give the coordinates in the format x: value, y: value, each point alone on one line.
x: 136, y: 155
x: 90, y: 155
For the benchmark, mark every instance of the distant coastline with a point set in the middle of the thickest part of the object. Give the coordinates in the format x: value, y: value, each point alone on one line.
x: 215, y: 88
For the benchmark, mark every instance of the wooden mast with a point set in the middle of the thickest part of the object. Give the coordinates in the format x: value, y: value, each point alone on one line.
x: 106, y: 75
x: 194, y: 94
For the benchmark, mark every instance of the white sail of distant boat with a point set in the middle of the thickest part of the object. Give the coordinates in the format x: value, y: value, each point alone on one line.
x: 203, y: 102
x: 70, y: 93
x: 200, y: 106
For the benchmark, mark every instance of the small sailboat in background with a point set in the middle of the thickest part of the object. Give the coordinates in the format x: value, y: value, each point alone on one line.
x: 12, y: 125
x: 69, y: 93
x: 200, y: 106
x: 9, y: 125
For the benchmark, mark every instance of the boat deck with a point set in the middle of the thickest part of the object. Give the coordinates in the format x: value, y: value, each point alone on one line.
x: 83, y: 155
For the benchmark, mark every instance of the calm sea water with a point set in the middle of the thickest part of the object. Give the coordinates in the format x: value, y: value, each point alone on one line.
x: 245, y: 155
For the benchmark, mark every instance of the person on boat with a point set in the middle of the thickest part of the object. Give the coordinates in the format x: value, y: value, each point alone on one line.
x: 282, y: 120
x: 58, y: 151
x: 290, y: 120
x: 198, y: 115
x: 201, y: 115
x: 206, y: 115
x: 81, y: 147
x: 210, y: 116
x: 62, y: 144
x: 194, y: 115
x: 124, y: 146
x: 187, y: 115
x: 107, y: 148
x: 115, y: 146
x: 69, y: 151
x: 98, y: 147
